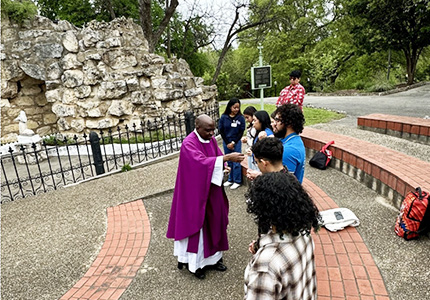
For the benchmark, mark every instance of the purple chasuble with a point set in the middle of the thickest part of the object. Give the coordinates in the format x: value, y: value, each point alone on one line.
x: 197, y: 203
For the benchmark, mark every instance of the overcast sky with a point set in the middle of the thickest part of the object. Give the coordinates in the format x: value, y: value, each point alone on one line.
x: 222, y: 10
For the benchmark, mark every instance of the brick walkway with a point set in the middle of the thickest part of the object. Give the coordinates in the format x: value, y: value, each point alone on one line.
x: 400, y: 126
x: 388, y: 172
x: 122, y: 254
x: 345, y: 267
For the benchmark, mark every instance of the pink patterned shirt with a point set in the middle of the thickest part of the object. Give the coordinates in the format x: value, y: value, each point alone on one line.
x: 292, y: 94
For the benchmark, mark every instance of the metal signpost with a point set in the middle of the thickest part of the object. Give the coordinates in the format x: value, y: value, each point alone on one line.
x: 261, y: 77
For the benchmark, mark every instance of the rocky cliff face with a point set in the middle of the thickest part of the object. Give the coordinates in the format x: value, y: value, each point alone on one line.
x: 73, y: 80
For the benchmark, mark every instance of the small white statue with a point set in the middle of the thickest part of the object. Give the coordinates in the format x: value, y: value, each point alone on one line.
x: 22, y: 119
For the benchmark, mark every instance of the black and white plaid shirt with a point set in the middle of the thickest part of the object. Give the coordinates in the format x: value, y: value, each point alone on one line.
x: 282, y: 269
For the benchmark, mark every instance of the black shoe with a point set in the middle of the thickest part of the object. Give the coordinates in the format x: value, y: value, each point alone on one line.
x: 181, y: 265
x: 200, y: 274
x: 219, y: 266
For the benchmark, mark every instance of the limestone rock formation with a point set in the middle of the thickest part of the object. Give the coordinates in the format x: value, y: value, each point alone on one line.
x: 72, y: 80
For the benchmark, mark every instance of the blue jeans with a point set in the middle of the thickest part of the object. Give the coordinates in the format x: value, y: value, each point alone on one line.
x: 236, y: 169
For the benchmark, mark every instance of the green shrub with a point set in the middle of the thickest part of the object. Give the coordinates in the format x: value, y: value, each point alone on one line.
x: 18, y: 11
x: 126, y: 168
x: 380, y: 87
x: 52, y: 141
x: 359, y: 85
x: 154, y: 137
x: 380, y: 83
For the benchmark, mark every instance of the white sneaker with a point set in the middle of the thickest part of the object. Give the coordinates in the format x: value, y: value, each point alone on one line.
x: 228, y: 183
x: 235, y: 186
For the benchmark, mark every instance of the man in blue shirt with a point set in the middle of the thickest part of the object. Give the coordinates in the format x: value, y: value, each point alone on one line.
x: 288, y: 122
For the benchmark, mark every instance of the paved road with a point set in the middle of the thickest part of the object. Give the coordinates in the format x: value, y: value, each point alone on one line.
x: 414, y: 102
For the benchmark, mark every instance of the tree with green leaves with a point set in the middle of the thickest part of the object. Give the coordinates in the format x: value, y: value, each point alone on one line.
x: 402, y: 25
x: 18, y: 10
x: 76, y: 12
x: 150, y: 14
x: 290, y: 39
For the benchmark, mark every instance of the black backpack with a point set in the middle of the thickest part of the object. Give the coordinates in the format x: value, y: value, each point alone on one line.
x: 322, y: 158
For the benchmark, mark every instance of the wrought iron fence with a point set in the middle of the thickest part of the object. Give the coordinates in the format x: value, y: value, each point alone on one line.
x: 33, y: 169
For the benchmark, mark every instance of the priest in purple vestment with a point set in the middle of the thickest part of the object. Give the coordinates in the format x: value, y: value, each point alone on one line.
x: 199, y: 213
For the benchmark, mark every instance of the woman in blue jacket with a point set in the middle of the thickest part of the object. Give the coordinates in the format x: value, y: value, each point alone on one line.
x: 231, y: 127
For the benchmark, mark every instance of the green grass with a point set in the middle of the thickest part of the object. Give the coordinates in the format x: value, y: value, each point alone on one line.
x: 319, y: 115
x: 312, y: 115
x: 52, y: 141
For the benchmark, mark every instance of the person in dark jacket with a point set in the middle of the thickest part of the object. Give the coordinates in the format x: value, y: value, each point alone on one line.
x: 231, y: 127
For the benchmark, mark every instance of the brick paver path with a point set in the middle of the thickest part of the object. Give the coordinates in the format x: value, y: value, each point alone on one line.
x: 345, y: 268
x: 122, y: 254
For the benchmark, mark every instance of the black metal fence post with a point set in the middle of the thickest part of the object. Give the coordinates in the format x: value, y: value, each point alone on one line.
x: 97, y: 153
x: 189, y: 122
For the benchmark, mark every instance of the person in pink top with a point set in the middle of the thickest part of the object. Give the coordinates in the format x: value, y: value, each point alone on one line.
x: 294, y: 93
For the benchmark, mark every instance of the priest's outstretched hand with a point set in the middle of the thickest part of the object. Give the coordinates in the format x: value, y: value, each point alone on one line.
x: 234, y: 157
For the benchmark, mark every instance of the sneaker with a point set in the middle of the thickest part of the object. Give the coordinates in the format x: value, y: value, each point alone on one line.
x: 235, y: 186
x: 228, y: 183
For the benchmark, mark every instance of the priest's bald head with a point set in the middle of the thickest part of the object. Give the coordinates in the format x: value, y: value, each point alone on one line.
x: 205, y: 126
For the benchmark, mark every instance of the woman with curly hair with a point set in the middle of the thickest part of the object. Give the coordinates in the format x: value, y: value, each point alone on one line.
x: 288, y: 122
x: 283, y: 265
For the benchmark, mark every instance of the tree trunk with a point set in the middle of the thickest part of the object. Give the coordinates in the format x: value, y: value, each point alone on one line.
x: 170, y: 10
x: 168, y: 35
x: 220, y: 61
x: 411, y: 64
x: 146, y: 21
x: 110, y: 9
x: 227, y: 45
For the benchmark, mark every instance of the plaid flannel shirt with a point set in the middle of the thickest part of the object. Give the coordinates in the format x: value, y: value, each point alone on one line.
x: 293, y: 94
x: 282, y: 269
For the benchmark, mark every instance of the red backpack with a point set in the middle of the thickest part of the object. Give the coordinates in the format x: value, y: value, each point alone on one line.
x: 414, y: 217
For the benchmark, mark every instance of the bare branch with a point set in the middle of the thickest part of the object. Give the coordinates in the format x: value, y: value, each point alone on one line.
x: 146, y: 21
x: 170, y: 10
x: 232, y: 32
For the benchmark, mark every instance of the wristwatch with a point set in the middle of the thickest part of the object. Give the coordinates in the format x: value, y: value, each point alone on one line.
x: 233, y: 142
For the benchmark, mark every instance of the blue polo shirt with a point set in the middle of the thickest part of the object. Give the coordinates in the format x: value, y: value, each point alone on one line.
x: 294, y: 155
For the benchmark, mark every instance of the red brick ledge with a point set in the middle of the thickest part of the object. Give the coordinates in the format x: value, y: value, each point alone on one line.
x: 345, y: 268
x: 122, y: 254
x: 388, y: 172
x: 416, y: 129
